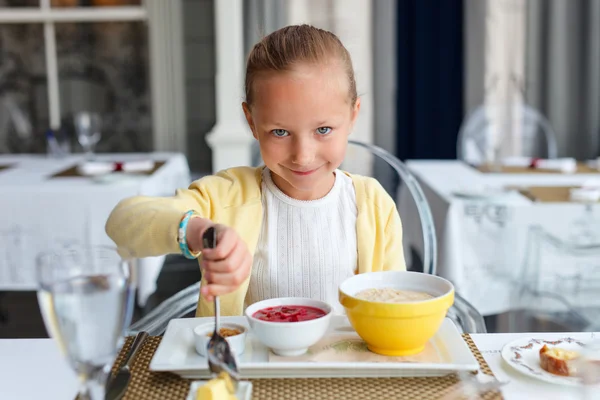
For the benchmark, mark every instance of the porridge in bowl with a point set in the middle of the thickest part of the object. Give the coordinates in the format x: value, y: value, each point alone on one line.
x: 390, y: 295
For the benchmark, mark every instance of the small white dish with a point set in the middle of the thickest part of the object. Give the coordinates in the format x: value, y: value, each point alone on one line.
x: 289, y: 338
x: 524, y: 356
x: 244, y: 391
x: 237, y: 343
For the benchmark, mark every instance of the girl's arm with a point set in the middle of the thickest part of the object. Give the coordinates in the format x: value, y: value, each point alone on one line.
x: 144, y: 226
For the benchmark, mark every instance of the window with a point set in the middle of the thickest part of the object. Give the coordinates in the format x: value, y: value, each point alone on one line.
x: 59, y: 57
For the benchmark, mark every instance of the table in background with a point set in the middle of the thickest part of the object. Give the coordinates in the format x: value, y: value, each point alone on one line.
x: 39, y: 211
x: 481, y: 243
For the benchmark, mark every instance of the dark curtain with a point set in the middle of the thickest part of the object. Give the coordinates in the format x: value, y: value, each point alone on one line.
x: 430, y: 78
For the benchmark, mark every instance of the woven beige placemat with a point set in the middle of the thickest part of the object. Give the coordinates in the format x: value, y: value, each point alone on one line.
x: 581, y: 169
x: 166, y: 386
x: 73, y: 172
x: 547, y: 194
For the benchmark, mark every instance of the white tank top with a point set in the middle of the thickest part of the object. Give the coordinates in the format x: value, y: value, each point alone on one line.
x: 305, y: 248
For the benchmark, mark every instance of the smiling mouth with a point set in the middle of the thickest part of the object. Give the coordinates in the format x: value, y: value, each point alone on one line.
x: 303, y: 173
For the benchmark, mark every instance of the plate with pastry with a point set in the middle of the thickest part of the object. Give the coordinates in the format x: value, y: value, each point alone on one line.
x: 547, y: 359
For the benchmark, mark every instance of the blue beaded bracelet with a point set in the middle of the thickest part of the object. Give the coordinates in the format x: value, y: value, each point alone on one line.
x: 182, y: 236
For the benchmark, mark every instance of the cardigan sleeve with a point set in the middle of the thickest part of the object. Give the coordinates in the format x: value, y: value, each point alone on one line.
x: 143, y: 226
x: 394, y: 249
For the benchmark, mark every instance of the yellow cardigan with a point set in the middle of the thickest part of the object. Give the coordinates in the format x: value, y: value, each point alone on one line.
x: 147, y: 226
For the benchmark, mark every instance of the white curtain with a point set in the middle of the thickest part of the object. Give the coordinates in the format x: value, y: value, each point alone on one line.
x: 563, y: 71
x: 262, y: 17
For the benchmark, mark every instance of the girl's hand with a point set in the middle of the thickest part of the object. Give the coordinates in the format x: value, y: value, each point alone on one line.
x: 226, y: 266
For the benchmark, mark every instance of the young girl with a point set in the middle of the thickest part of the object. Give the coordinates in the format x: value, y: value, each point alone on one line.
x: 298, y: 226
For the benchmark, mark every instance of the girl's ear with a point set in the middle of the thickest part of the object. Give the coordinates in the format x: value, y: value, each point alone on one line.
x: 355, y: 110
x: 249, y: 119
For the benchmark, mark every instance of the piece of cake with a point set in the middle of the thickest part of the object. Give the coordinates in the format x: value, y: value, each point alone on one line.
x: 558, y: 361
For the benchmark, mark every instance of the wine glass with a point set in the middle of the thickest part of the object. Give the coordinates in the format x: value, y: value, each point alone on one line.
x: 86, y: 297
x: 472, y: 386
x: 88, y: 128
x: 588, y: 369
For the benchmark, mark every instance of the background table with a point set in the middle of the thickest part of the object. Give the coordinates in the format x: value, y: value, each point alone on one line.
x: 481, y: 243
x: 38, y: 211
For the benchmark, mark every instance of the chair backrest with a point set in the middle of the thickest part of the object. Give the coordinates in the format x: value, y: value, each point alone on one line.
x: 559, y: 279
x: 477, y: 132
x: 384, y: 165
x: 364, y: 158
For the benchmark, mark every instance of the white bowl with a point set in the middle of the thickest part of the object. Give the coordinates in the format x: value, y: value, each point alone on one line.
x: 237, y: 343
x: 289, y: 339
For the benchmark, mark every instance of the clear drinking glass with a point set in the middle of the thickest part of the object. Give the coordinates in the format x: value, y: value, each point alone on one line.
x: 86, y: 297
x: 88, y: 127
x: 472, y: 386
x: 589, y: 370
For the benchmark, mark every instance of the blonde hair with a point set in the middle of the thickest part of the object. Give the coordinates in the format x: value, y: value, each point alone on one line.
x: 283, y: 49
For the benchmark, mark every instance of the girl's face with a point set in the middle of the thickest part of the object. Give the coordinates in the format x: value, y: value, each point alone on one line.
x: 302, y: 119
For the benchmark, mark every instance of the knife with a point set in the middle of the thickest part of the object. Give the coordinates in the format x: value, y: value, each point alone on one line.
x: 116, y: 387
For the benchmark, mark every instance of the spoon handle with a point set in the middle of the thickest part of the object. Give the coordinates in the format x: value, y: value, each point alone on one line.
x: 217, y: 308
x: 209, y: 241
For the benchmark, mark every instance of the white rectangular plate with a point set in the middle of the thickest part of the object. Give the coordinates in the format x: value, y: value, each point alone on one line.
x: 445, y: 353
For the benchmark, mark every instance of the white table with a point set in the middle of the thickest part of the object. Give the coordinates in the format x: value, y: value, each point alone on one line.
x: 34, y: 369
x: 38, y: 212
x: 481, y: 243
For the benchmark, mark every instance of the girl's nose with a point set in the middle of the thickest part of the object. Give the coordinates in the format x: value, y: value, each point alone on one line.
x: 304, y: 153
x: 303, y: 157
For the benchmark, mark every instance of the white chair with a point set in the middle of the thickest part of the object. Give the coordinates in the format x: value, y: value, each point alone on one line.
x: 476, y: 136
x: 466, y: 317
x: 558, y: 286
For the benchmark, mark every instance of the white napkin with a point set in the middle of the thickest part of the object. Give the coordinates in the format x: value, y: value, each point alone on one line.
x: 584, y: 194
x: 565, y: 165
x: 94, y: 168
x: 138, y: 166
x: 589, y: 191
x: 516, y: 161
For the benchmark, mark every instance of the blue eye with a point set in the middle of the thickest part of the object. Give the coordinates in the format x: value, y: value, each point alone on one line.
x: 324, y: 130
x: 280, y: 132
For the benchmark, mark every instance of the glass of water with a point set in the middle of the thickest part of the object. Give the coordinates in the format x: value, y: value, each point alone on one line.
x: 88, y: 128
x: 589, y: 370
x: 86, y: 297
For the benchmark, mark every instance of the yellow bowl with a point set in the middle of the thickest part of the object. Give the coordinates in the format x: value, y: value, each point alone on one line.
x: 396, y: 329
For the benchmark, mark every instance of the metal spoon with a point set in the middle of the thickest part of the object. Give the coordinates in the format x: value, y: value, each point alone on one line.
x: 220, y: 357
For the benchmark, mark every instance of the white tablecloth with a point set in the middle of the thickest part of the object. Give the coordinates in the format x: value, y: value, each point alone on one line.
x: 34, y: 369
x: 38, y: 212
x: 481, y: 243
